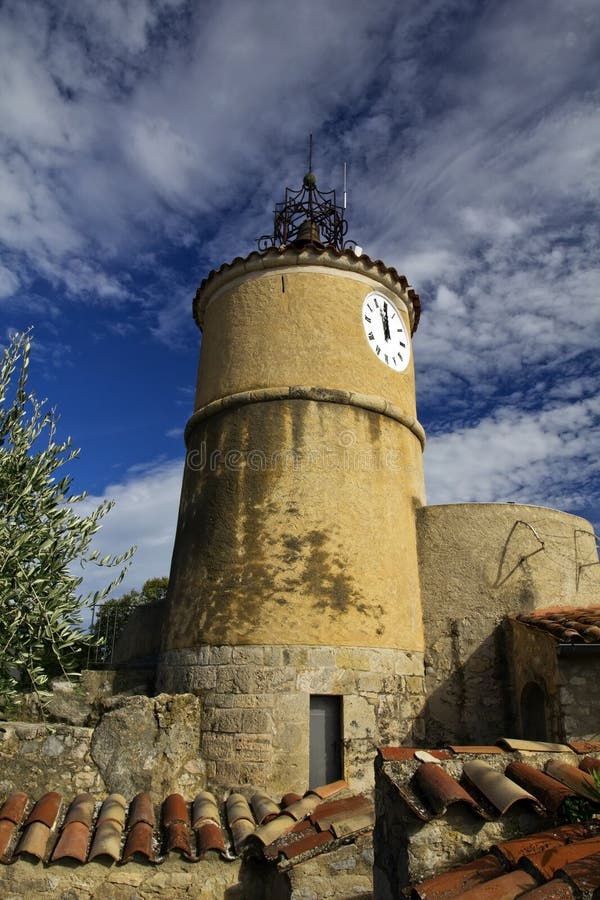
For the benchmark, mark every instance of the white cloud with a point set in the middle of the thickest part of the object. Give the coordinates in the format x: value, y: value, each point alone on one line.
x: 145, y: 514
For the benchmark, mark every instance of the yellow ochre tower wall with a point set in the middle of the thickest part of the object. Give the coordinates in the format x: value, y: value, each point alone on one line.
x: 295, y: 569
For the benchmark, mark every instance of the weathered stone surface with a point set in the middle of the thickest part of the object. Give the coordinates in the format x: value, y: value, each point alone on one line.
x: 146, y: 743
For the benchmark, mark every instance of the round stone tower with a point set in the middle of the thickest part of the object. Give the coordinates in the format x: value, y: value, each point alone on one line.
x: 294, y: 607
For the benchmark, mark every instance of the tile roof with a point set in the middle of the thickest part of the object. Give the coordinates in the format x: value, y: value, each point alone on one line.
x: 119, y: 832
x: 577, y: 625
x: 556, y: 864
x: 489, y: 791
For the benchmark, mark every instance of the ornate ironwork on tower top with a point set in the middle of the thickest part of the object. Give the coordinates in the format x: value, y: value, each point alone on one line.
x: 307, y: 216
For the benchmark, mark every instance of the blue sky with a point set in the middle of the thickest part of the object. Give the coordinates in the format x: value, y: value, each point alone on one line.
x: 145, y: 142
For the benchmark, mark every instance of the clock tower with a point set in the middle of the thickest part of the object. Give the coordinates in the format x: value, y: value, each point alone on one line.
x: 294, y: 607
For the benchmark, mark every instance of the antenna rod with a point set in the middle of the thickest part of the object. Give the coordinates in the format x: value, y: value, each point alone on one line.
x: 345, y: 196
x: 310, y: 152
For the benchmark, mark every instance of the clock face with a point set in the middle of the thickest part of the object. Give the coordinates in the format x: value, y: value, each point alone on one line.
x: 385, y: 331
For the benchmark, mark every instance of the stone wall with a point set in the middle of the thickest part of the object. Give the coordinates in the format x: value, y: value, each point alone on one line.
x: 579, y: 694
x: 533, y: 660
x: 480, y: 562
x: 139, y: 744
x: 255, y: 707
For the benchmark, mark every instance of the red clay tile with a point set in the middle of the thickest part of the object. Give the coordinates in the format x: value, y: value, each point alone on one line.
x: 81, y: 810
x: 327, y: 812
x: 587, y: 747
x: 73, y: 842
x: 34, y: 840
x: 584, y: 873
x: 455, y: 883
x: 7, y: 832
x: 141, y: 810
x: 45, y: 810
x: 506, y: 887
x: 300, y: 831
x: 306, y: 844
x: 264, y: 808
x: 513, y: 850
x: 552, y: 890
x: 210, y: 837
x: 498, y: 790
x: 548, y: 862
x: 580, y: 782
x: 577, y: 624
x: 403, y: 754
x: 139, y: 840
x: 478, y: 751
x: 237, y: 808
x: 441, y: 790
x: 205, y: 807
x: 107, y: 840
x: 266, y: 834
x: 549, y: 791
x: 290, y: 798
x: 175, y: 809
x: 13, y: 807
x: 301, y: 808
x: 240, y: 831
x: 328, y: 790
x: 590, y: 764
x: 177, y: 837
x: 113, y: 809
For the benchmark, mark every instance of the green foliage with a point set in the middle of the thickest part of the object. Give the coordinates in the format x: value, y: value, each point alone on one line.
x: 575, y: 809
x: 41, y: 536
x: 113, y: 614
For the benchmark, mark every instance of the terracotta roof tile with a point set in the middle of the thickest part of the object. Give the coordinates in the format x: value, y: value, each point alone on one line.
x: 139, y: 840
x: 506, y: 887
x: 328, y: 790
x: 290, y: 798
x: 210, y: 837
x: 73, y: 842
x: 549, y: 791
x: 266, y: 834
x: 402, y: 754
x: 568, y: 625
x: 512, y: 851
x: 580, y: 782
x: 552, y: 890
x: 45, y: 810
x: 113, y: 809
x: 34, y: 840
x: 337, y: 810
x: 205, y: 807
x: 499, y: 790
x: 584, y: 873
x: 175, y: 809
x: 14, y: 807
x: 441, y: 790
x: 240, y: 831
x: 264, y: 808
x: 588, y: 747
x: 303, y: 807
x: 237, y: 808
x: 177, y: 837
x: 476, y: 750
x: 81, y: 810
x: 7, y: 832
x: 141, y: 810
x: 310, y: 842
x: 533, y: 746
x: 455, y: 883
x: 107, y: 840
x: 590, y: 764
x: 548, y: 862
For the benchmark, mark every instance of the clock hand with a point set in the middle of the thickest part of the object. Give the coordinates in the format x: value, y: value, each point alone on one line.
x: 386, y: 324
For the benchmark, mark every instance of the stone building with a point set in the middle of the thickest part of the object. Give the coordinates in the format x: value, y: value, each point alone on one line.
x: 317, y: 606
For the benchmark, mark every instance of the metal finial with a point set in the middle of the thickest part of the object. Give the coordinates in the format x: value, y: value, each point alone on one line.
x: 308, y: 216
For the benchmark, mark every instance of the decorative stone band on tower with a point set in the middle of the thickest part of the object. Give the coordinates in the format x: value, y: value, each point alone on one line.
x: 295, y: 570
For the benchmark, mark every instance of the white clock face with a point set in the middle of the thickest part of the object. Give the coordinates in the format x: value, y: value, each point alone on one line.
x: 385, y: 331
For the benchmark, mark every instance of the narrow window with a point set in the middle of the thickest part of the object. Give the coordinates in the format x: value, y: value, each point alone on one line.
x: 325, y: 739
